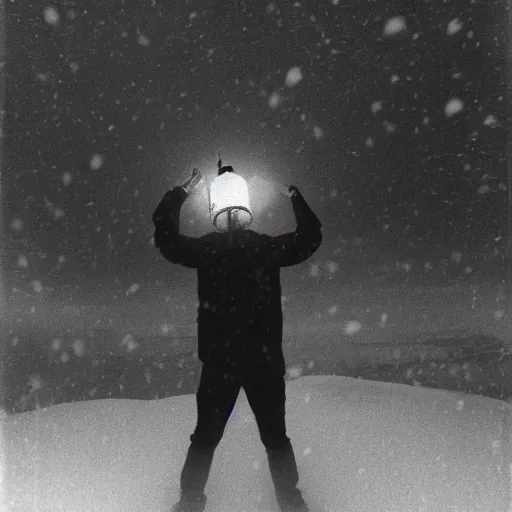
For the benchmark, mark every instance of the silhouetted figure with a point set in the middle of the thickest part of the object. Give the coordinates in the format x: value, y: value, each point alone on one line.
x: 240, y: 327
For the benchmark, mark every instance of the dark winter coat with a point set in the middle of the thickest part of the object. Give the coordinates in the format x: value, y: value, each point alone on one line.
x: 240, y: 319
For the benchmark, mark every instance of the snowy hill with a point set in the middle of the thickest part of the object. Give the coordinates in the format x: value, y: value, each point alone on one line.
x: 361, y: 446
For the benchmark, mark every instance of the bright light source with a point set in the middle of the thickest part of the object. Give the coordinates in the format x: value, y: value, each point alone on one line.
x: 229, y: 195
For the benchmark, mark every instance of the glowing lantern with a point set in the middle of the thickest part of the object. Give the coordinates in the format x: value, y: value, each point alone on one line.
x: 229, y: 201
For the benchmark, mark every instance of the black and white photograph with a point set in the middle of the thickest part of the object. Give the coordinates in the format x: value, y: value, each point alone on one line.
x: 256, y: 256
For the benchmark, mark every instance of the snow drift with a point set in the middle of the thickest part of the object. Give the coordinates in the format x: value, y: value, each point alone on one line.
x: 361, y: 446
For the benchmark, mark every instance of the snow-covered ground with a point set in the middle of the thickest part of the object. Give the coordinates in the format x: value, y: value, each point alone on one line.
x: 360, y: 446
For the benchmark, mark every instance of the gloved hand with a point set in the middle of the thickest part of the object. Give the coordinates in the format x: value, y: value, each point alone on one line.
x: 293, y: 191
x: 192, y: 182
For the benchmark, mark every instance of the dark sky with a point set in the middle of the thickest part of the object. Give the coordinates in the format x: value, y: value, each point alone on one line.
x: 109, y: 105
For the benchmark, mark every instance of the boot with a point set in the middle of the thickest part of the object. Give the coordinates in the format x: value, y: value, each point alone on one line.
x: 292, y: 502
x: 190, y: 503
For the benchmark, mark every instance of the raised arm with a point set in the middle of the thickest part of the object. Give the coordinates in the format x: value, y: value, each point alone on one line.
x: 295, y: 247
x: 173, y: 246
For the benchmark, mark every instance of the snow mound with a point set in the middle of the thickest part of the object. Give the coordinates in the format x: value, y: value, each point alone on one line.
x: 360, y: 446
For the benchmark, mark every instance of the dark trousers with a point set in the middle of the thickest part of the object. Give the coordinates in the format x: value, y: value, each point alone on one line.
x: 216, y: 397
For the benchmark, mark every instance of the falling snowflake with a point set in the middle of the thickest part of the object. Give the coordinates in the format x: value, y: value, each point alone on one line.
x: 56, y: 212
x: 352, y: 327
x: 314, y: 271
x: 36, y: 382
x: 56, y: 345
x: 43, y: 77
x: 143, y: 40
x: 307, y: 451
x: 78, y: 347
x: 318, y: 132
x: 96, y: 162
x: 498, y: 315
x: 22, y: 261
x: 376, y: 106
x: 491, y: 120
x: 454, y: 26
x: 468, y: 377
x: 275, y: 100
x: 37, y: 286
x: 400, y: 265
x: 460, y: 405
x: 453, y: 107
x: 383, y: 319
x: 389, y: 126
x: 456, y: 256
x: 133, y: 288
x: 51, y: 16
x: 295, y: 371
x: 394, y: 26
x: 333, y: 310
x: 67, y: 178
x: 369, y: 142
x: 484, y: 189
x: 166, y: 329
x: 293, y: 77
x: 332, y: 266
x: 129, y: 342
x: 17, y: 224
x: 454, y: 369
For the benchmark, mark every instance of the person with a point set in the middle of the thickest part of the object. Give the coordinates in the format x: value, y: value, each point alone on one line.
x: 240, y: 326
